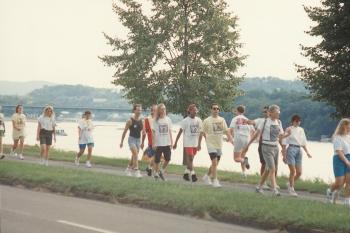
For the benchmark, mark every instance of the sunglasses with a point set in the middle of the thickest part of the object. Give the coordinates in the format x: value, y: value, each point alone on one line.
x: 216, y: 108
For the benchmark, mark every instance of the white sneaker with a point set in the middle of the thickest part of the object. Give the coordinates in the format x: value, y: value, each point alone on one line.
x: 46, y: 163
x: 265, y: 187
x: 42, y: 161
x: 292, y: 192
x: 216, y: 183
x: 88, y: 164
x: 20, y: 156
x: 276, y: 193
x: 243, y: 175
x: 207, y: 180
x: 138, y: 174
x: 331, y: 196
x: 288, y: 186
x: 76, y: 161
x: 259, y: 189
x: 128, y: 171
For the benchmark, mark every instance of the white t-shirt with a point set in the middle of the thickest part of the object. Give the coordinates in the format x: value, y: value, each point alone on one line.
x: 191, y: 129
x: 341, y: 143
x: 162, y: 130
x: 47, y: 123
x: 297, y: 137
x: 271, y: 132
x: 258, y: 121
x: 240, y: 126
x: 20, y: 120
x: 86, y: 127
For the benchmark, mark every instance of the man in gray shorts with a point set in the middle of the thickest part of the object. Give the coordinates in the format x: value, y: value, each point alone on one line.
x: 271, y: 134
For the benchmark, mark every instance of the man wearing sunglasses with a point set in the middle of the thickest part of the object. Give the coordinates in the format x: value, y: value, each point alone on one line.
x: 213, y: 129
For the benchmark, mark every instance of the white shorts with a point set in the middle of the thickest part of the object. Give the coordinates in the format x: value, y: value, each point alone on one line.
x: 240, y: 142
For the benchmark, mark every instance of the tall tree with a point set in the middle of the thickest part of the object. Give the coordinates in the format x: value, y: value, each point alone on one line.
x: 329, y: 80
x: 184, y: 51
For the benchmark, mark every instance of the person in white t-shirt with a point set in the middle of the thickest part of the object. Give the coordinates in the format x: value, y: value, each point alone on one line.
x: 18, y: 132
x: 272, y: 134
x: 293, y: 156
x: 341, y: 162
x: 85, y: 130
x: 162, y: 140
x: 241, y: 132
x: 45, y: 130
x: 191, y: 127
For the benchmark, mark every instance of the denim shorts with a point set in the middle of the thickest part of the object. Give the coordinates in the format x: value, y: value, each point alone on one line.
x: 83, y: 146
x: 339, y: 167
x: 294, y: 156
x: 134, y: 143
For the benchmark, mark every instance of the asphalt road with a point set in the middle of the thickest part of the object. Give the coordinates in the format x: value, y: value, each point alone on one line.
x: 24, y: 211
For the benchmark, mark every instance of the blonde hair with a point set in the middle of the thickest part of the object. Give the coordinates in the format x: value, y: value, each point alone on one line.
x: 46, y: 109
x: 340, y: 130
x: 158, y: 110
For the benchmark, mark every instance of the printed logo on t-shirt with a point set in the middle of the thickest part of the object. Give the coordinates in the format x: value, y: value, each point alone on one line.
x: 217, y: 127
x: 194, y: 128
x: 163, y: 128
x: 274, y: 132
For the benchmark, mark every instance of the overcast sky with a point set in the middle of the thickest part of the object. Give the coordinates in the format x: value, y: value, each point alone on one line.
x: 59, y: 41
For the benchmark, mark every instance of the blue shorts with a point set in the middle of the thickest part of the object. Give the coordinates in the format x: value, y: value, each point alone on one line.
x: 83, y: 146
x: 294, y: 156
x: 134, y: 143
x: 339, y: 167
x: 150, y: 152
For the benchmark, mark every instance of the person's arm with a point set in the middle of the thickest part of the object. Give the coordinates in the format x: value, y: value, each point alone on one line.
x: 14, y: 125
x: 307, y: 152
x: 143, y: 131
x: 38, y: 131
x: 127, y: 125
x: 171, y: 134
x: 342, y: 157
x: 54, y: 132
x: 229, y: 136
x: 177, y: 138
x: 255, y: 136
x: 201, y: 135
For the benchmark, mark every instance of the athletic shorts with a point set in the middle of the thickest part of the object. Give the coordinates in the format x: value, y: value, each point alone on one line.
x: 150, y: 152
x: 45, y: 137
x: 89, y: 145
x: 17, y: 135
x: 294, y: 155
x: 192, y: 151
x: 214, y: 153
x: 134, y: 143
x: 339, y: 167
x: 165, y: 150
x: 270, y: 153
x: 239, y: 143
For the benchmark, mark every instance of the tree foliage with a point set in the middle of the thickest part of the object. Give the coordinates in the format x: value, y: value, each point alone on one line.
x: 185, y: 51
x: 329, y: 81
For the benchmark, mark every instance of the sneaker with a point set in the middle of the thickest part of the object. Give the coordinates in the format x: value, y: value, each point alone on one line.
x: 2, y: 156
x: 246, y: 163
x: 288, y: 186
x: 20, y: 156
x: 259, y: 189
x: 194, y: 178
x: 216, y: 183
x: 207, y: 180
x: 292, y: 192
x: 138, y: 173
x: 42, y: 162
x: 243, y: 175
x: 149, y: 171
x: 46, y: 163
x: 88, y: 164
x: 277, y: 186
x: 128, y: 171
x: 331, y: 196
x: 156, y: 177
x: 76, y: 161
x: 276, y: 193
x: 186, y: 177
x: 265, y: 187
x: 162, y: 176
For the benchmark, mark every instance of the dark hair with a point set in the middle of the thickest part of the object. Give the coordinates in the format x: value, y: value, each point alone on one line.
x: 241, y: 109
x: 136, y: 106
x: 87, y: 113
x: 213, y: 104
x: 295, y: 118
x: 18, y: 106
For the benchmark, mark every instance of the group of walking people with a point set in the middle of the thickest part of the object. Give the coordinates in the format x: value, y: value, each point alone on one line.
x: 241, y: 132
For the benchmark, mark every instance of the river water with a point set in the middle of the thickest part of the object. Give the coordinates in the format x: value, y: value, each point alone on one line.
x: 107, y: 137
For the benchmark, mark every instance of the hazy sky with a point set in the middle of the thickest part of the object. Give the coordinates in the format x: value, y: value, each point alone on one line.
x: 59, y: 41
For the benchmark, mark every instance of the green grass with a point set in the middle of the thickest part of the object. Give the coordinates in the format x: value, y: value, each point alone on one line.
x: 312, y: 186
x: 232, y: 206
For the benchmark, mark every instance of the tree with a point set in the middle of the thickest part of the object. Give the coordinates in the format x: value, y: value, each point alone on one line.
x: 329, y: 81
x: 186, y: 51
